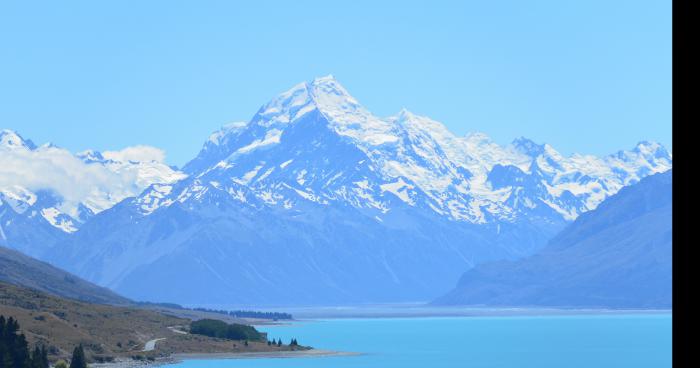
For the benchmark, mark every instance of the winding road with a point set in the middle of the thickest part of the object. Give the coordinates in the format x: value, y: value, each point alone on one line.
x: 151, y: 344
x: 176, y: 330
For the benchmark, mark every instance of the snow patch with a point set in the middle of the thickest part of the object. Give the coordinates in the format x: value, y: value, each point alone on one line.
x: 399, y: 189
x: 58, y: 219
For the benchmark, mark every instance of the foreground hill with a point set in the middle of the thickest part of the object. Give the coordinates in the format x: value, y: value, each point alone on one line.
x: 317, y: 201
x: 109, y: 332
x: 618, y: 256
x: 19, y: 269
x: 62, y: 324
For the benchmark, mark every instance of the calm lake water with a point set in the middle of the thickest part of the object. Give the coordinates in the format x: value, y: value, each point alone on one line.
x: 591, y: 341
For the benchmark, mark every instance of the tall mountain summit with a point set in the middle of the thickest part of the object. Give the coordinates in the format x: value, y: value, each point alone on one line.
x: 317, y: 200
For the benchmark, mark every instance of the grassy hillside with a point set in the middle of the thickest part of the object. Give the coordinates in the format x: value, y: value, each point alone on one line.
x: 19, y: 269
x: 107, y: 332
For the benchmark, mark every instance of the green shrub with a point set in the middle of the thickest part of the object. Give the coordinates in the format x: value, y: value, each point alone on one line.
x: 220, y: 329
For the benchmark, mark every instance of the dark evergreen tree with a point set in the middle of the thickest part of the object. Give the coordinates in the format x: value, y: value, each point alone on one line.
x: 14, y: 350
x: 21, y: 349
x: 36, y: 357
x: 78, y: 359
x: 44, y: 357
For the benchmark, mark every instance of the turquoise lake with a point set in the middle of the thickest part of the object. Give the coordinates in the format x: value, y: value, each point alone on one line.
x: 590, y: 341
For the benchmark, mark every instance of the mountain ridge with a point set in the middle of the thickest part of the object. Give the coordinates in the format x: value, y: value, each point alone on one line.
x: 313, y: 176
x: 47, y: 192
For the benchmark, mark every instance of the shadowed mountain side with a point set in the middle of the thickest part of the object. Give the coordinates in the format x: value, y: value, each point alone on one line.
x: 617, y: 256
x: 19, y: 269
x: 221, y: 252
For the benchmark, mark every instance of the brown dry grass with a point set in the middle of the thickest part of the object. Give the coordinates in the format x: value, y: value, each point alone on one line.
x: 104, y: 330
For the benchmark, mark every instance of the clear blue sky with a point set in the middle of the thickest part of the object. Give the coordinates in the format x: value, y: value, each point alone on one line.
x: 584, y: 76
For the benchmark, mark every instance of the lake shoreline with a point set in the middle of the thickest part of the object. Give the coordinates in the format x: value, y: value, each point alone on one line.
x: 643, y: 339
x: 272, y: 354
x: 304, y: 314
x: 180, y: 357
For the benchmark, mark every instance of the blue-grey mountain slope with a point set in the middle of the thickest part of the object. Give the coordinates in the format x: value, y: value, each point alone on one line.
x: 19, y: 269
x: 618, y: 256
x: 317, y: 201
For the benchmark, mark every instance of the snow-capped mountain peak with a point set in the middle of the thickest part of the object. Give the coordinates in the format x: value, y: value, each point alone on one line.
x: 332, y: 98
x: 652, y: 149
x: 316, y: 143
x: 528, y: 147
x: 325, y: 95
x: 217, y: 138
x: 414, y: 158
x: 351, y: 198
x: 410, y: 121
x: 49, y: 183
x: 9, y: 139
x: 91, y: 156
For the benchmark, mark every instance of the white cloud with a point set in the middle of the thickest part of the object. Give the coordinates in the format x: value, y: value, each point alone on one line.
x: 139, y: 153
x: 96, y: 185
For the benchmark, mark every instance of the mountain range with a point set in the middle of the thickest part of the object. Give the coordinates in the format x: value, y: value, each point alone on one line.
x: 618, y: 255
x: 46, y: 192
x: 315, y: 200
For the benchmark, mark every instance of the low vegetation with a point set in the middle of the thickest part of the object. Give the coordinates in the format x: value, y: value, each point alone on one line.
x: 232, y: 314
x: 62, y: 324
x: 223, y: 330
x: 107, y: 333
